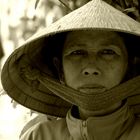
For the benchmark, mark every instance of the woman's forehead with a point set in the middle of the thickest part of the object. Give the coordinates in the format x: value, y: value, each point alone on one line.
x: 93, y: 34
x: 83, y: 38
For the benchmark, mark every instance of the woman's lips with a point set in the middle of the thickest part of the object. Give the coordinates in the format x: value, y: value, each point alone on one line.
x: 92, y: 89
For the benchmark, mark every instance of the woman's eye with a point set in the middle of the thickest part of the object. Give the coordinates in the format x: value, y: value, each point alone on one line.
x: 78, y: 52
x: 107, y: 52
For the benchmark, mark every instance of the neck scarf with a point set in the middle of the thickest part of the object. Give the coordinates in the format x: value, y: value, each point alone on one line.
x: 93, y: 101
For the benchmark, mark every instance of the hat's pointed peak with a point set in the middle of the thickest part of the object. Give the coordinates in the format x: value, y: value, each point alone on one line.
x: 96, y: 14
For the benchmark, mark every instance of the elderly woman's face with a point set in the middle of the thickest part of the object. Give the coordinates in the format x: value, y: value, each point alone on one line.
x: 94, y: 61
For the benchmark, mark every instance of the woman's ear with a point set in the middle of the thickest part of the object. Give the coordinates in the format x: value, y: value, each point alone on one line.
x: 59, y: 69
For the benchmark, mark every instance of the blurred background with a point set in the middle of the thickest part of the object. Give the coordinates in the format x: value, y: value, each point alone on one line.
x: 20, y: 19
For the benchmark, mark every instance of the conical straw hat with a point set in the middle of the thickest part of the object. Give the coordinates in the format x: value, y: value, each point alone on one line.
x: 31, y: 83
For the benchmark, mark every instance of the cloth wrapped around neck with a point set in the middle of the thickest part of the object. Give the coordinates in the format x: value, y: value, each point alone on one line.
x: 128, y: 89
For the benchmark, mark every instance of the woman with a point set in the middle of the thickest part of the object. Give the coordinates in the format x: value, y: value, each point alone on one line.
x: 83, y: 68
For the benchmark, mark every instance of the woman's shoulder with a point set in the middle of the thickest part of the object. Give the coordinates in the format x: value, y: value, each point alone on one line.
x: 46, y: 129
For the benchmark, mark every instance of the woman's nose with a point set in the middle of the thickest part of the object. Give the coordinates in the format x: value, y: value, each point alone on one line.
x: 91, y: 70
x: 91, y: 66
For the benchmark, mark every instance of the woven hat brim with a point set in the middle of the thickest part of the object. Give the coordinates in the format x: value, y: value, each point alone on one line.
x: 30, y: 93
x: 34, y: 95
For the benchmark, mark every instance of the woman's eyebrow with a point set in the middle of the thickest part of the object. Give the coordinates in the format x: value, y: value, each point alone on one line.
x: 75, y: 46
x: 115, y: 47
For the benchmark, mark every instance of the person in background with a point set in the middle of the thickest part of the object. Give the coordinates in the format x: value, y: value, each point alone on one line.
x: 84, y: 69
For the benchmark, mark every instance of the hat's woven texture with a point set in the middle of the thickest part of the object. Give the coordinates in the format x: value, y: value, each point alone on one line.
x: 28, y: 81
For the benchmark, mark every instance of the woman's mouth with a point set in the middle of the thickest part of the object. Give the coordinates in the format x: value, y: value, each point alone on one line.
x: 92, y: 89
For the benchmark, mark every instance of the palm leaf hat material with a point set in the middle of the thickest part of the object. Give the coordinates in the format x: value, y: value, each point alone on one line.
x: 31, y: 82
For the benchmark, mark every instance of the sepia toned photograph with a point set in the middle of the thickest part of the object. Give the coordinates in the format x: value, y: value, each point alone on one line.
x: 70, y: 70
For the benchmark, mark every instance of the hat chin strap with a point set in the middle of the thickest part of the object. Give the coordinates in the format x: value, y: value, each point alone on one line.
x: 93, y: 101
